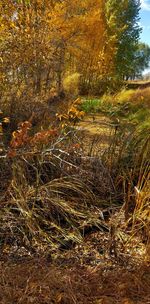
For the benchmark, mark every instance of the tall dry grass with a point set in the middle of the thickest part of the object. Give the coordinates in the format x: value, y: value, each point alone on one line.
x: 49, y: 200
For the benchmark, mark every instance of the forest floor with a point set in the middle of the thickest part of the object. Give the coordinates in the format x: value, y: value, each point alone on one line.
x: 110, y: 265
x: 85, y: 274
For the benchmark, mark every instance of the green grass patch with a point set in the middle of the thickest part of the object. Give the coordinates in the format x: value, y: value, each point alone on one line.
x: 127, y: 104
x: 91, y: 105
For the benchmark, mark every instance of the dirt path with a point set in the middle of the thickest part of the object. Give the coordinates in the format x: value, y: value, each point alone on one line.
x: 95, y: 133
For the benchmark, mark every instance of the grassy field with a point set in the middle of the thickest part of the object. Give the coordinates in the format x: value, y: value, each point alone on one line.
x: 75, y: 216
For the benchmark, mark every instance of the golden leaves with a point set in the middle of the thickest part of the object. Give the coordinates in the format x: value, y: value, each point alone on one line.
x: 73, y: 114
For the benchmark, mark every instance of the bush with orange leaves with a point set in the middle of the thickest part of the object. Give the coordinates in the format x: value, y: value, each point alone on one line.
x: 22, y: 139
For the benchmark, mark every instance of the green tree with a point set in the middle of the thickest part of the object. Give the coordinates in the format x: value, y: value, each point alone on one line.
x: 141, y: 61
x: 122, y: 20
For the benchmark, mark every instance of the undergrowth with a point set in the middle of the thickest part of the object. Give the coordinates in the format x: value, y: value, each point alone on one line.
x: 128, y: 154
x: 55, y: 191
x: 75, y: 224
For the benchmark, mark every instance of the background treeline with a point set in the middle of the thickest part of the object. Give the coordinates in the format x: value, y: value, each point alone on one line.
x: 44, y: 42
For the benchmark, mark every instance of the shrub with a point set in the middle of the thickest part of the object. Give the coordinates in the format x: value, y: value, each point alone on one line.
x: 71, y: 84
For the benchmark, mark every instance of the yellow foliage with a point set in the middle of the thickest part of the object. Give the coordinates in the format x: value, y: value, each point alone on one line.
x: 6, y: 120
x: 68, y: 38
x: 1, y: 129
x: 71, y: 83
x: 124, y: 95
x: 73, y: 114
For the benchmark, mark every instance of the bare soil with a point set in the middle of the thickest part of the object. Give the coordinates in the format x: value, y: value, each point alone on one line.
x: 96, y: 132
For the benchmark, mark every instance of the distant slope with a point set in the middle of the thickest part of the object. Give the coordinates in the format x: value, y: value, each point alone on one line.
x: 138, y: 84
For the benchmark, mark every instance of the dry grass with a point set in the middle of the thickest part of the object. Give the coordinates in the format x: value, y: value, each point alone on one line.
x: 50, y: 199
x: 127, y: 152
x: 55, y: 197
x: 36, y: 281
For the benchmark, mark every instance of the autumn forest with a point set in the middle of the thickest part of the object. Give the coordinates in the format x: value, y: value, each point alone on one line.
x: 74, y: 153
